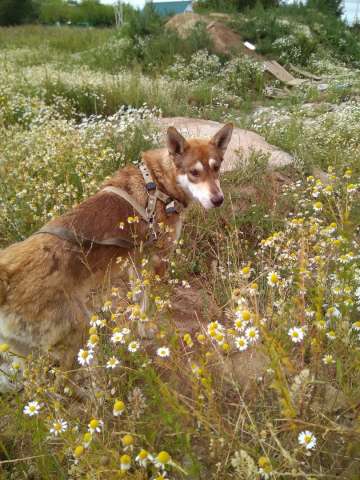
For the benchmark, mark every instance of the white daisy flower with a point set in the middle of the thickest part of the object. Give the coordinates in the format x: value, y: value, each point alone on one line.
x: 95, y: 426
x: 241, y: 343
x: 112, y: 363
x: 296, y: 334
x: 331, y: 335
x: 58, y: 427
x: 133, y: 346
x: 240, y: 324
x: 32, y: 408
x: 252, y: 334
x: 125, y: 331
x: 143, y: 458
x: 163, y: 352
x: 307, y: 439
x: 328, y: 359
x: 273, y: 279
x: 356, y: 326
x: 117, y: 337
x: 85, y: 357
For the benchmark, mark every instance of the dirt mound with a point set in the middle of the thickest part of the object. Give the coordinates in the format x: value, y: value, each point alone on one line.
x: 242, y: 145
x: 225, y: 40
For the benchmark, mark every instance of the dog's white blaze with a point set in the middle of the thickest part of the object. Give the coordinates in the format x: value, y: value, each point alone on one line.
x: 212, y: 162
x: 196, y: 191
x: 199, y: 166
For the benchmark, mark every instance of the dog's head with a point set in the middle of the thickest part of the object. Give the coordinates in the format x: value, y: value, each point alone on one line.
x: 198, y: 164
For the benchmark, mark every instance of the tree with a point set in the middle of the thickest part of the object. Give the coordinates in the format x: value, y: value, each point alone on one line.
x: 332, y: 7
x: 14, y: 12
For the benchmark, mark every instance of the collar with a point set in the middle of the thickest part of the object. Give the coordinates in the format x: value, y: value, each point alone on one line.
x: 171, y: 205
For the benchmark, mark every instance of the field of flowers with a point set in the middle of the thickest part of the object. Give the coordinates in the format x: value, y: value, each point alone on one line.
x: 253, y: 368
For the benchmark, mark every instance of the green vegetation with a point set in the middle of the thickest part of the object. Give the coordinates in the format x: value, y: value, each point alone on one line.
x: 253, y: 369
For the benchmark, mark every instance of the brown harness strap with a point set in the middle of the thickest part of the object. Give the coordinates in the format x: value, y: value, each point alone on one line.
x: 71, y: 236
x: 148, y: 214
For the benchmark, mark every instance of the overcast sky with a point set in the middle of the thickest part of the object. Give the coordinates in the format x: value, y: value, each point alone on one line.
x: 134, y: 3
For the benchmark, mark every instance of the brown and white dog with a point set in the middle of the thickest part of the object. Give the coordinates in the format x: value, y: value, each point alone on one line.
x: 45, y: 280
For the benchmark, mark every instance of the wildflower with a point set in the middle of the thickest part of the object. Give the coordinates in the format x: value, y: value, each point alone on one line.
x: 32, y: 408
x: 78, y: 451
x: 95, y: 425
x: 143, y: 458
x: 296, y: 334
x: 133, y: 346
x: 351, y: 188
x: 127, y: 441
x: 307, y: 439
x: 125, y: 331
x: 58, y: 427
x: 331, y: 335
x: 134, y: 219
x: 112, y: 363
x: 240, y: 324
x: 241, y: 343
x: 117, y: 337
x: 163, y: 352
x: 201, y: 338
x: 125, y: 463
x: 188, y: 340
x: 162, y: 459
x: 119, y: 407
x: 252, y: 334
x: 356, y: 326
x: 318, y: 206
x: 4, y: 347
x: 328, y: 359
x: 348, y: 173
x: 87, y: 438
x: 93, y: 341
x: 273, y: 279
x: 85, y: 357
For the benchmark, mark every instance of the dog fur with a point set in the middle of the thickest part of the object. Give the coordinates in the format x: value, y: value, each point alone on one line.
x: 45, y: 281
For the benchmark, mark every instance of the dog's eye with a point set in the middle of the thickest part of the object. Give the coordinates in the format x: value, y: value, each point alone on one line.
x: 216, y: 168
x: 195, y: 173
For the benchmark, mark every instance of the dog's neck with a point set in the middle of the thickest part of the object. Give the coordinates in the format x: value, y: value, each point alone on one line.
x: 163, y: 171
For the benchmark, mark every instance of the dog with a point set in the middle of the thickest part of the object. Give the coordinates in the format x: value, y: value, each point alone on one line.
x: 45, y: 280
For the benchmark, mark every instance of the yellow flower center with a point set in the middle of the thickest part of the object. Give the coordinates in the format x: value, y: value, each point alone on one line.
x: 94, y: 423
x: 143, y: 454
x: 163, y: 457
x: 127, y: 440
x: 119, y: 406
x: 125, y: 460
x: 79, y: 450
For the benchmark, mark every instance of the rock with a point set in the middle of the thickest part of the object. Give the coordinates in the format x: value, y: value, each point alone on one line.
x: 242, y: 370
x: 242, y: 145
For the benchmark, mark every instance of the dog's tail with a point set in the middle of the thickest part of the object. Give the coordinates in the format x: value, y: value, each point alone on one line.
x: 4, y: 285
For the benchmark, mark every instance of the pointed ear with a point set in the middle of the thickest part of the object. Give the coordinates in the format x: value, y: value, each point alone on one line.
x: 176, y: 143
x: 222, y: 138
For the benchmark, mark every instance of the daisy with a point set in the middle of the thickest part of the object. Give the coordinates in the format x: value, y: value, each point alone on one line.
x: 240, y: 324
x: 296, y: 334
x: 119, y: 408
x: 95, y: 425
x: 163, y: 352
x: 356, y: 326
x: 331, y: 335
x: 32, y: 408
x: 117, y: 337
x: 241, y: 343
x: 85, y: 357
x: 112, y: 363
x: 328, y: 359
x: 125, y: 331
x: 273, y: 279
x: 307, y: 439
x: 87, y: 438
x: 133, y: 346
x: 318, y: 206
x: 58, y: 427
x: 93, y: 341
x: 143, y: 458
x: 125, y: 463
x: 252, y: 334
x: 162, y: 459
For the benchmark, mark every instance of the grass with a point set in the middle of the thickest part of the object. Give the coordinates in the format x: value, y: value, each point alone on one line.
x: 278, y: 261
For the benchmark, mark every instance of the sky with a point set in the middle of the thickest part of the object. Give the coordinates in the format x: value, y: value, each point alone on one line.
x: 134, y: 3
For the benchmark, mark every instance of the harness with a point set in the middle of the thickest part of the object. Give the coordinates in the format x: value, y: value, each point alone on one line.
x: 147, y: 214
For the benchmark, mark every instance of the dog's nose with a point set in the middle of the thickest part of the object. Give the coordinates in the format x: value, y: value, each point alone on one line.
x: 217, y: 200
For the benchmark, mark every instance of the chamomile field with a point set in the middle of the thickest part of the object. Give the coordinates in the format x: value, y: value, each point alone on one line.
x: 253, y: 368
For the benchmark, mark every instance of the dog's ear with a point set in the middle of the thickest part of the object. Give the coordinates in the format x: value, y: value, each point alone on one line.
x: 222, y: 138
x: 176, y: 143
